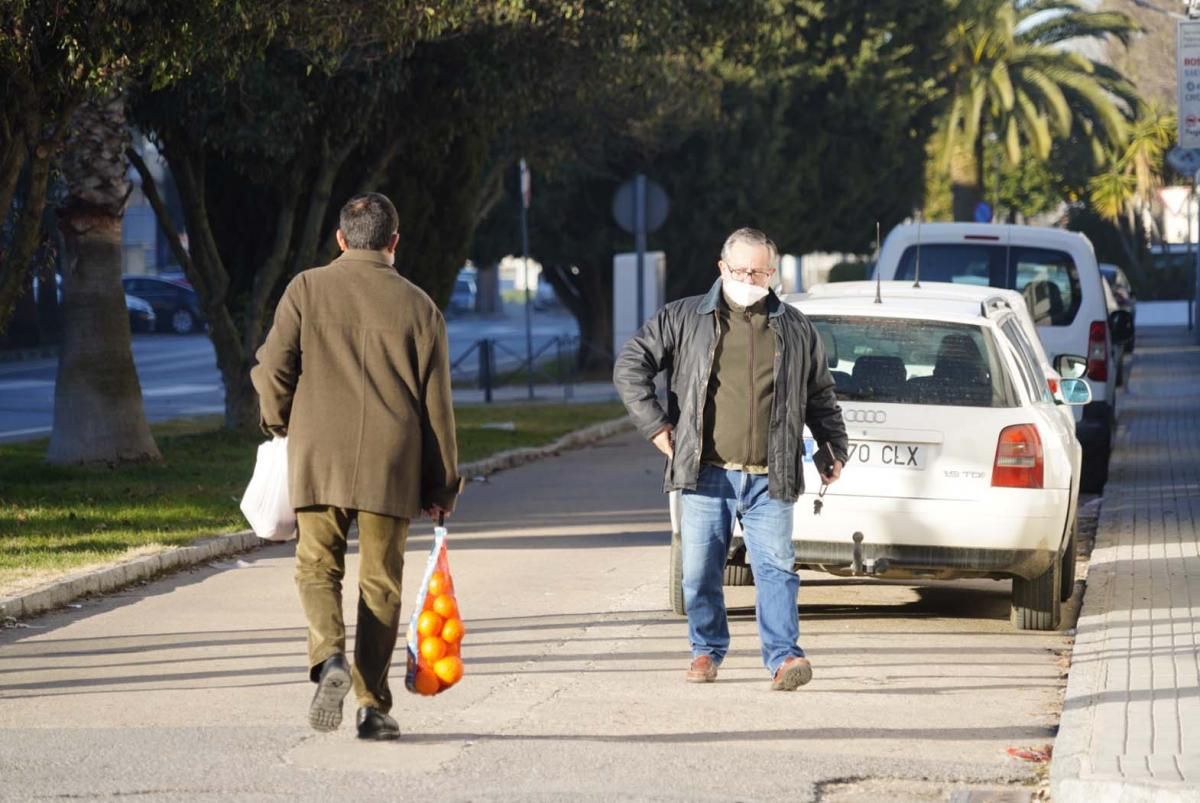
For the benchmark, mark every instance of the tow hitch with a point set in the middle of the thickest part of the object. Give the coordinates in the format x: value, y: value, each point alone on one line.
x: 868, y: 567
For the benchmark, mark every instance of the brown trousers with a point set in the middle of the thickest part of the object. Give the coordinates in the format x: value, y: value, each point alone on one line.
x: 320, y: 567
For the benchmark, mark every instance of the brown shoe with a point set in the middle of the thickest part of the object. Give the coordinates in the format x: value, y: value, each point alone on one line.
x: 702, y: 670
x: 792, y: 674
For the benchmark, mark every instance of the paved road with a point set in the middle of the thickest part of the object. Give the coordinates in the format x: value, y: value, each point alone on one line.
x: 179, y: 374
x: 193, y: 687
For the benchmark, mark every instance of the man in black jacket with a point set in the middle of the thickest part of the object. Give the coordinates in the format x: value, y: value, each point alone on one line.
x: 746, y: 374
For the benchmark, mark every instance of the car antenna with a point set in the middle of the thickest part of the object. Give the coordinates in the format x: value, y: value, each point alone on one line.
x: 917, y: 276
x: 878, y: 278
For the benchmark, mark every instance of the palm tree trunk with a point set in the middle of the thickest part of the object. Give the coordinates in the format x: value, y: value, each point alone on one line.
x: 966, y: 183
x: 98, y: 412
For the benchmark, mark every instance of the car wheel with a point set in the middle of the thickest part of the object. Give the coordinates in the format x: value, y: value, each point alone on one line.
x: 675, y: 592
x: 182, y: 321
x: 1095, y: 469
x: 1035, y: 603
x: 1068, y: 562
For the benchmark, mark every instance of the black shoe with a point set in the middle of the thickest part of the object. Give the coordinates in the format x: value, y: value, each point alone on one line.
x: 333, y: 684
x: 376, y: 725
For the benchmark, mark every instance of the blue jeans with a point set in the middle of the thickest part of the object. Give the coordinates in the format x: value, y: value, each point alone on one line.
x: 707, y: 527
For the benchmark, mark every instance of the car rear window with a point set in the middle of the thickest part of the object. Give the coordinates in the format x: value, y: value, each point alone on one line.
x: 1046, y: 277
x: 914, y: 362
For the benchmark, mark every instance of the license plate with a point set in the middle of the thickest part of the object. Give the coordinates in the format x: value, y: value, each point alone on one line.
x: 910, y: 456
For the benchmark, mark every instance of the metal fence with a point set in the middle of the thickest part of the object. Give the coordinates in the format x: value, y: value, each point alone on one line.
x: 495, y: 362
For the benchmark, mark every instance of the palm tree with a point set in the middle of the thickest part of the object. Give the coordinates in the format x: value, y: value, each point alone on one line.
x: 98, y: 412
x: 1013, y: 75
x: 1132, y: 176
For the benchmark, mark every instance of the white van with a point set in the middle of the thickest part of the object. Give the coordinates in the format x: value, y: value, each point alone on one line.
x: 1056, y: 271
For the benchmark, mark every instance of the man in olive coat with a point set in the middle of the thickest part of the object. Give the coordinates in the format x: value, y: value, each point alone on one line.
x: 355, y: 372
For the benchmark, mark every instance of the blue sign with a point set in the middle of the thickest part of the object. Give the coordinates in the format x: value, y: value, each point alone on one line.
x: 983, y: 212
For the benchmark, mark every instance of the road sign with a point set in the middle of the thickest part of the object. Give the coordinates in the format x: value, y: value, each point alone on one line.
x: 625, y: 202
x: 1185, y: 161
x: 983, y: 212
x: 1187, y: 61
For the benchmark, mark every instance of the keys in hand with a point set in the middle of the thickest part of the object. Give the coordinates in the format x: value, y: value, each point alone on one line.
x: 817, y: 505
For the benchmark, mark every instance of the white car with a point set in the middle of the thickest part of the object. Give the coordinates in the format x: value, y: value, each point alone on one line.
x: 961, y: 463
x: 1057, y: 272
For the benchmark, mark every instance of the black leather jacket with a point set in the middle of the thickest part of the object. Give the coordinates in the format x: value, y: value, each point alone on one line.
x: 681, y: 340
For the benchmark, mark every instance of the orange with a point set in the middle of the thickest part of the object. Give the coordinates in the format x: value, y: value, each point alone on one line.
x: 429, y: 623
x: 426, y: 682
x: 449, y: 669
x: 446, y: 606
x: 453, y: 630
x: 453, y: 649
x: 432, y: 648
x: 439, y: 584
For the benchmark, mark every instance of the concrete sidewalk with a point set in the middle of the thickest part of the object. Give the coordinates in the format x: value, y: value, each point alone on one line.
x: 1130, y: 728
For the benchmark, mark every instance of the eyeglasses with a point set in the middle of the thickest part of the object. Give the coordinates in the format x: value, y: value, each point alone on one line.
x: 746, y: 273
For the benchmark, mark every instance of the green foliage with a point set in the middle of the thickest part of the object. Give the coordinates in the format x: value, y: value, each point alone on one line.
x: 811, y: 127
x: 1011, y: 79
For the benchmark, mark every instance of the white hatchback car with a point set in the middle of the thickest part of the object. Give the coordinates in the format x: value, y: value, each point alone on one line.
x: 1057, y: 272
x: 961, y: 462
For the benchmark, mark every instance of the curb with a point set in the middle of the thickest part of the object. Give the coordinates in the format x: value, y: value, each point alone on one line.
x: 518, y: 457
x: 118, y: 576
x: 112, y: 578
x: 21, y: 355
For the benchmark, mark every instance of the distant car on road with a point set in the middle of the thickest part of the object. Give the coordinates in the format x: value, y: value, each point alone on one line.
x: 462, y: 297
x: 175, y: 302
x: 141, y: 314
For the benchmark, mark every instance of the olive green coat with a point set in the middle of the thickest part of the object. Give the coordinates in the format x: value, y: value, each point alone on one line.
x: 356, y: 372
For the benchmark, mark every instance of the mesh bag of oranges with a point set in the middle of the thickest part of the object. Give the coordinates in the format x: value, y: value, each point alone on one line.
x: 436, y: 630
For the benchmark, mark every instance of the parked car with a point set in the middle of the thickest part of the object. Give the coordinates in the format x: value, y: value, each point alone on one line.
x: 176, y: 304
x: 961, y: 466
x: 141, y: 314
x: 463, y: 296
x: 1123, y: 292
x: 947, y: 291
x: 1056, y: 271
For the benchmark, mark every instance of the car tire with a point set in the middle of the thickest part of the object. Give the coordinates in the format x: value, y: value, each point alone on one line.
x: 182, y: 321
x: 738, y: 574
x: 1068, y: 562
x: 1035, y: 603
x: 1094, y: 472
x: 675, y: 589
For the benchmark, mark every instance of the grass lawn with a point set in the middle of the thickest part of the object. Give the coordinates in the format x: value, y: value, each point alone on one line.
x: 54, y: 519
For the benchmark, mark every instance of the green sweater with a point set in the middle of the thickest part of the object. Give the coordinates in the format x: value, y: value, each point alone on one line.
x: 737, y: 411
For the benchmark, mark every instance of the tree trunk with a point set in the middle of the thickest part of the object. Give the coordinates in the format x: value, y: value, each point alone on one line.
x: 98, y: 411
x: 966, y: 184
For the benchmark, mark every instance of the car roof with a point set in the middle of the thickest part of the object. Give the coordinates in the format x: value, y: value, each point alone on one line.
x: 930, y: 309
x: 949, y: 291
x: 933, y: 300
x: 942, y: 233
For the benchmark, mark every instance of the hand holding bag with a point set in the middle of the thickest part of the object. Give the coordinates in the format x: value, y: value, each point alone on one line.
x: 266, y: 504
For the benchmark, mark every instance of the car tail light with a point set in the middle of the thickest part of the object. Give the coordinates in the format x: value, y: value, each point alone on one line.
x: 1052, y: 383
x: 1019, y: 462
x: 1097, y: 367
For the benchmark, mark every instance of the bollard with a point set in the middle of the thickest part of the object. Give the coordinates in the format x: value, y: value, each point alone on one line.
x: 485, y: 369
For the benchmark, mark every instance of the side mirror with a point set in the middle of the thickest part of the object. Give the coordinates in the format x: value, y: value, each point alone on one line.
x: 1120, y: 323
x: 1076, y: 392
x: 1070, y: 366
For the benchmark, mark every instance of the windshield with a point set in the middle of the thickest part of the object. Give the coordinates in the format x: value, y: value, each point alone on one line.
x: 914, y: 362
x: 1046, y: 277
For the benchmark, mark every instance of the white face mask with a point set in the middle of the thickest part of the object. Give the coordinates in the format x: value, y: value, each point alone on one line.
x: 743, y: 294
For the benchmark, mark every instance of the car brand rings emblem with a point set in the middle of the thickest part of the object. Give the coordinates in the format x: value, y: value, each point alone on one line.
x: 865, y: 416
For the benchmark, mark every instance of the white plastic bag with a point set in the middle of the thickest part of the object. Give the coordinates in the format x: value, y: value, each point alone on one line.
x: 265, y: 504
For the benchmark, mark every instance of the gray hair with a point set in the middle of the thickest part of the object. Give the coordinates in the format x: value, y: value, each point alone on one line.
x: 368, y: 221
x: 751, y: 237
